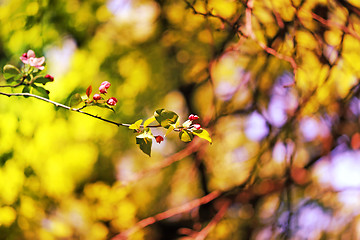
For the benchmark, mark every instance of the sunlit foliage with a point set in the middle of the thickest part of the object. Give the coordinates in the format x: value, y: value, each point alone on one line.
x: 275, y: 82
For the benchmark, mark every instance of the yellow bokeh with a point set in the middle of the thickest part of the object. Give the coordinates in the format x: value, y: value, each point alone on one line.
x: 7, y: 216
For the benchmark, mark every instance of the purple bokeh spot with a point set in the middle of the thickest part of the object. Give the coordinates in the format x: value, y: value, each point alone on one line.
x: 256, y: 127
x: 311, y: 220
x: 355, y: 106
x: 309, y: 128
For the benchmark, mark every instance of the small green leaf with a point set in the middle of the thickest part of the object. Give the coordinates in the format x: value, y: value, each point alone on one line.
x: 75, y: 99
x: 202, y: 133
x: 10, y: 71
x: 145, y: 141
x: 136, y: 125
x: 146, y: 134
x: 26, y: 89
x: 40, y: 91
x: 186, y: 136
x: 165, y: 118
x: 42, y: 80
x: 145, y: 145
x: 172, y: 127
x: 148, y: 121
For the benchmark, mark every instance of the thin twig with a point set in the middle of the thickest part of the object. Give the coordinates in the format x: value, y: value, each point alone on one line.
x: 330, y: 23
x: 207, y: 14
x: 269, y: 50
x: 219, y: 215
x: 71, y: 109
x: 167, y: 214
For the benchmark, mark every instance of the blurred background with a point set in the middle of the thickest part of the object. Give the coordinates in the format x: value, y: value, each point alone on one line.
x: 280, y: 97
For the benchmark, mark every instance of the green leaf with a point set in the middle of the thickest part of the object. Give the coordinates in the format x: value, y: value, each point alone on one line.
x: 145, y: 141
x: 75, y: 99
x: 10, y: 71
x: 202, y: 133
x: 42, y: 80
x: 14, y: 79
x: 172, y: 127
x: 136, y: 125
x: 145, y: 145
x: 148, y: 121
x: 40, y: 91
x: 146, y: 134
x: 165, y: 118
x: 186, y: 136
x: 26, y: 89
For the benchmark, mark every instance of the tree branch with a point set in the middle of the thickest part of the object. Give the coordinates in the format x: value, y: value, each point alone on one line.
x: 167, y: 214
x: 71, y: 109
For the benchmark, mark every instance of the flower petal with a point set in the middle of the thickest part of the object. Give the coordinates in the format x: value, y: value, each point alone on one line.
x: 40, y: 60
x: 24, y: 60
x: 30, y: 53
x: 40, y: 67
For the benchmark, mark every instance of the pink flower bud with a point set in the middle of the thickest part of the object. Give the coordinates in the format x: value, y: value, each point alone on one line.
x: 106, y: 84
x: 112, y: 101
x: 96, y: 97
x: 102, y: 89
x: 159, y: 139
x: 193, y: 117
x: 51, y: 78
x: 197, y: 126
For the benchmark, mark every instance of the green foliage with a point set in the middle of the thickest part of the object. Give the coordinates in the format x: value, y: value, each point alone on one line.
x: 166, y: 118
x: 40, y: 91
x: 144, y: 140
x: 75, y: 100
x: 42, y: 80
x: 10, y: 71
x: 186, y: 135
x: 136, y: 125
x: 148, y: 121
x: 202, y: 133
x: 26, y: 89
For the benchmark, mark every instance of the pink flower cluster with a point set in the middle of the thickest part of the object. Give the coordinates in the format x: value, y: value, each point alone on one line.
x: 30, y: 58
x: 104, y: 86
x: 193, y: 117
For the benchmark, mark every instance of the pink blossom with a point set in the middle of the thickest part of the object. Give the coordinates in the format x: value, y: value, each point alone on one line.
x: 193, y: 117
x: 25, y: 57
x: 112, y: 101
x: 97, y: 96
x: 32, y: 60
x: 159, y: 139
x: 197, y: 126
